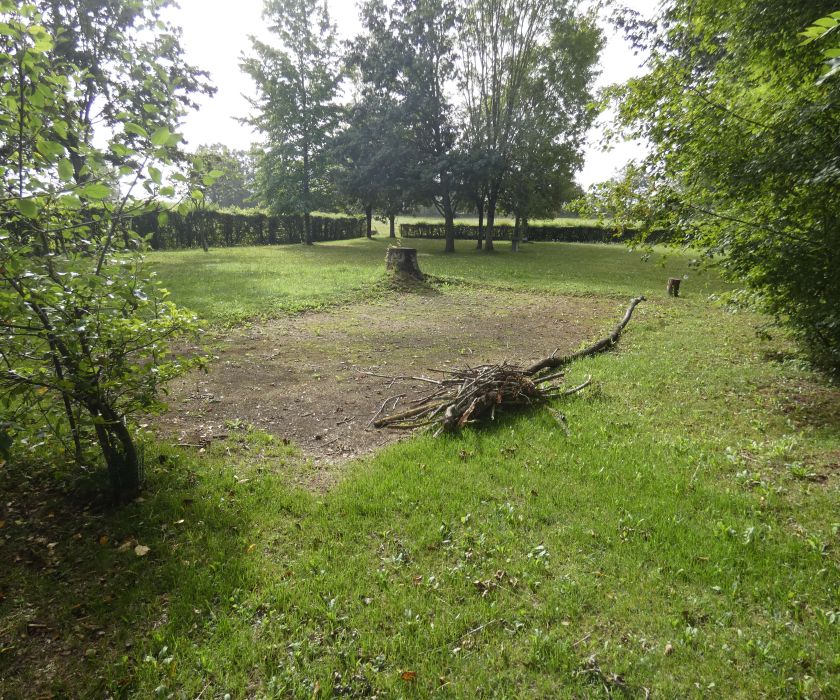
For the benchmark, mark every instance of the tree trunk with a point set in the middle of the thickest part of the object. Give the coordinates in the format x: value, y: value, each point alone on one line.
x: 449, y: 223
x: 121, y: 458
x: 491, y: 222
x: 525, y: 227
x: 514, y: 243
x: 403, y: 261
x: 369, y: 218
x: 480, y: 208
x: 392, y: 225
x: 307, y: 228
x: 307, y: 224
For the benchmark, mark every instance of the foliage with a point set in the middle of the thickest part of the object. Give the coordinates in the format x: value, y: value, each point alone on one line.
x: 744, y: 160
x: 85, y: 329
x: 232, y: 227
x: 370, y: 157
x: 407, y: 60
x: 528, y: 70
x: 296, y: 110
x: 235, y: 186
x: 536, y: 232
x: 820, y: 29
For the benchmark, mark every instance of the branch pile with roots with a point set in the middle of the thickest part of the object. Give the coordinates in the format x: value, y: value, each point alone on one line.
x: 473, y: 394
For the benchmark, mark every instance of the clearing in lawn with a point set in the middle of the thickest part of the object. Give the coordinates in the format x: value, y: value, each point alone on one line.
x: 307, y: 378
x: 681, y: 540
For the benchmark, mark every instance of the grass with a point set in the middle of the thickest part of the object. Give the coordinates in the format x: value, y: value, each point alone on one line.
x: 236, y: 284
x: 680, y: 540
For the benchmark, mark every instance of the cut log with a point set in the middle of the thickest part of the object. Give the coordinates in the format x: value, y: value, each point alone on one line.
x: 674, y: 286
x: 403, y: 261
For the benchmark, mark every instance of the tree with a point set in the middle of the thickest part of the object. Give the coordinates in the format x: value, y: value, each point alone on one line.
x: 527, y: 70
x: 235, y: 187
x: 408, y: 55
x: 744, y: 161
x: 133, y: 65
x: 85, y: 329
x: 296, y: 110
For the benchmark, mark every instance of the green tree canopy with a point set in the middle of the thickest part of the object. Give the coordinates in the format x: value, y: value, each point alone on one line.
x: 744, y: 158
x: 296, y: 109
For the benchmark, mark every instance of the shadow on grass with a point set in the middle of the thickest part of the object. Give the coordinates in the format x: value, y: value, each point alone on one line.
x: 81, y: 589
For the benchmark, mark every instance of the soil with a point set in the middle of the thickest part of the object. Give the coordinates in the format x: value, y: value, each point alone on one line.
x: 303, y: 378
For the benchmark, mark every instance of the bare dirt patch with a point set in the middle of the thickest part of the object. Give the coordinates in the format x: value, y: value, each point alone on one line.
x: 302, y: 378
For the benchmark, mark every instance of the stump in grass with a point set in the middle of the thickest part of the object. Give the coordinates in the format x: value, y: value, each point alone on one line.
x: 403, y: 262
x: 674, y: 286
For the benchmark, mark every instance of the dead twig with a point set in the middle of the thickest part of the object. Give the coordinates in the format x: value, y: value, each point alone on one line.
x: 464, y: 396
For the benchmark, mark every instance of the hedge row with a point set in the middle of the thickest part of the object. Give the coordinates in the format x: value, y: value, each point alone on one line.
x: 504, y: 232
x: 223, y: 229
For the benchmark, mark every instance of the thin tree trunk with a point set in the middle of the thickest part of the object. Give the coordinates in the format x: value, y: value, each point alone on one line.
x: 480, y: 207
x: 491, y: 222
x: 307, y: 228
x: 449, y: 223
x: 307, y: 224
x: 392, y: 225
x: 369, y: 217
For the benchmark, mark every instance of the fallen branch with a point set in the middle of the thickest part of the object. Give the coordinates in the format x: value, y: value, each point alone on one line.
x: 464, y: 396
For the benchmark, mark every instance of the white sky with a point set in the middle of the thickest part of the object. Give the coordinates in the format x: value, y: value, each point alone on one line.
x: 215, y: 35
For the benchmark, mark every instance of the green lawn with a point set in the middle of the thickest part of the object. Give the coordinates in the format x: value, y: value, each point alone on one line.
x: 681, y: 540
x: 232, y: 285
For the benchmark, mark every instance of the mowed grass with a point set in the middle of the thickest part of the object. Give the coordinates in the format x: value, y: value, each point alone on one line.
x: 236, y: 284
x: 680, y: 539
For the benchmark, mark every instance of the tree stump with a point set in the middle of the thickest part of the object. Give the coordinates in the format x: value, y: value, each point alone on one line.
x: 403, y: 261
x: 674, y: 286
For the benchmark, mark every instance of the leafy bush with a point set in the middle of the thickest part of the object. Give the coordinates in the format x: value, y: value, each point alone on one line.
x: 536, y: 232
x: 224, y: 228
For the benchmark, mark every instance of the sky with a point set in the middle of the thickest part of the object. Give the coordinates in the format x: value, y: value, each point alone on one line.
x: 215, y: 37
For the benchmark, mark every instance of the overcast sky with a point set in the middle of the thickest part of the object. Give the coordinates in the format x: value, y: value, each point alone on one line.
x: 216, y: 35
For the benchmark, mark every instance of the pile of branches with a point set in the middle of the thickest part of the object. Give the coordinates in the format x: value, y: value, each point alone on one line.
x: 472, y: 394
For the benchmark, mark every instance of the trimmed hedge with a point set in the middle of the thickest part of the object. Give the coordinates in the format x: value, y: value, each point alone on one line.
x: 224, y: 229
x: 536, y: 232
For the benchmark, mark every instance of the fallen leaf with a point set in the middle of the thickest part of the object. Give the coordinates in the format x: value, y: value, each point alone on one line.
x: 103, y: 540
x: 141, y: 550
x: 251, y: 548
x: 408, y: 676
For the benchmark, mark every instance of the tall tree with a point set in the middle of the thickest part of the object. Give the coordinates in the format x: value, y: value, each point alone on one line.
x: 528, y: 67
x: 408, y: 55
x: 745, y: 159
x: 296, y: 109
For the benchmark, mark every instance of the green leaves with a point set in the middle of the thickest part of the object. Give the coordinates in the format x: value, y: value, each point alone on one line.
x: 161, y: 136
x: 65, y: 170
x: 94, y: 190
x: 28, y: 207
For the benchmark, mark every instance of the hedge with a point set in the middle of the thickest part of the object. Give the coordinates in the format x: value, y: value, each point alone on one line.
x: 224, y: 229
x: 536, y: 232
